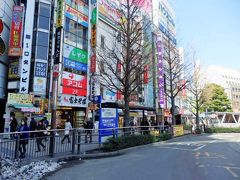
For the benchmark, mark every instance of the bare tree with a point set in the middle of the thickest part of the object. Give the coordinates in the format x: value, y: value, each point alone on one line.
x: 175, y: 77
x: 123, y: 61
x: 195, y: 89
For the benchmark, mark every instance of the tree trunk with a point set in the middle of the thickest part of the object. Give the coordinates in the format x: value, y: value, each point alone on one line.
x: 126, y: 112
x: 173, y: 111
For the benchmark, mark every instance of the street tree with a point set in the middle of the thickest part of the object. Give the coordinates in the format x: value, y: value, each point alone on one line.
x: 195, y: 90
x: 215, y: 99
x: 175, y: 77
x: 125, y: 57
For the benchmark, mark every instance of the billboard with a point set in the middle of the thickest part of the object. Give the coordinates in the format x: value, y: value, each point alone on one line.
x: 74, y: 91
x: 76, y: 16
x: 74, y: 65
x: 108, y: 11
x: 72, y: 101
x: 15, y: 40
x: 161, y: 93
x: 75, y: 54
x: 27, y: 48
x: 60, y: 12
x: 40, y: 77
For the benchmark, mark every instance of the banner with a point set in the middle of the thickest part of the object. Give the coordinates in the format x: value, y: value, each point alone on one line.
x: 40, y: 85
x: 58, y: 45
x: 161, y: 93
x: 76, y: 16
x: 27, y: 48
x: 75, y: 54
x: 72, y: 101
x: 16, y: 99
x: 15, y: 40
x: 145, y: 74
x: 75, y: 65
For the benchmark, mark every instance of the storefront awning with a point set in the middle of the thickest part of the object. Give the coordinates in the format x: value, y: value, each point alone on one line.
x: 25, y: 107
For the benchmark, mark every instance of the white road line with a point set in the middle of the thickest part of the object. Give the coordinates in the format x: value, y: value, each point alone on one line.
x: 231, y: 172
x: 200, y: 147
x: 178, y: 148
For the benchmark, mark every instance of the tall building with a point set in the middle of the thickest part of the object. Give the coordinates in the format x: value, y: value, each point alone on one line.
x: 229, y: 79
x: 5, y: 26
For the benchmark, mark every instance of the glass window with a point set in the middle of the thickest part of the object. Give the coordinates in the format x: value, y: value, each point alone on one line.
x: 44, y: 22
x: 42, y: 52
x: 45, y: 9
x: 42, y: 38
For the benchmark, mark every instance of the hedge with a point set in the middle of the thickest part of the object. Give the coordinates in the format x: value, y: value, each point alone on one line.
x: 222, y: 130
x: 122, y: 142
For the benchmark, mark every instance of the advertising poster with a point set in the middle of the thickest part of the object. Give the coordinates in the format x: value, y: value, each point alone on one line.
x: 108, y: 119
x: 40, y: 69
x: 108, y: 95
x: 74, y: 80
x: 27, y: 48
x: 15, y: 40
x: 40, y: 77
x: 75, y: 54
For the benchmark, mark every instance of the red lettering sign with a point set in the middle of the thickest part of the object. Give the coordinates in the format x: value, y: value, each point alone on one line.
x: 74, y: 91
x: 75, y: 84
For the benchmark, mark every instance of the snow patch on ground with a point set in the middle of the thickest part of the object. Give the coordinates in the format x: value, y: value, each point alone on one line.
x: 15, y: 170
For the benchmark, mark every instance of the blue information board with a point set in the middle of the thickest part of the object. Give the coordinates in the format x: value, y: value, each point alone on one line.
x: 108, y: 119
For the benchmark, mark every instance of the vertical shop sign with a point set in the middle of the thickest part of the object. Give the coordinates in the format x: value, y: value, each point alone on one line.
x: 60, y: 13
x: 93, y: 36
x: 27, y: 48
x: 161, y: 95
x: 15, y: 41
x: 145, y: 74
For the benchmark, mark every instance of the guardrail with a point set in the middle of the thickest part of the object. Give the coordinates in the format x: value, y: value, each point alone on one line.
x: 56, y: 142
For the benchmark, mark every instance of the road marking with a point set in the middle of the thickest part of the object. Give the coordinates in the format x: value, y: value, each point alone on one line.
x: 200, y: 147
x: 207, y: 154
x: 231, y: 172
x: 177, y: 148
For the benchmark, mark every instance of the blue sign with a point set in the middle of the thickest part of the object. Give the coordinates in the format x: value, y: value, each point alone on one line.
x: 108, y: 120
x: 75, y: 65
x: 40, y: 69
x: 97, y: 99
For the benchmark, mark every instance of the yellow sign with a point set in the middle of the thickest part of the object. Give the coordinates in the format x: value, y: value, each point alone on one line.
x: 94, y: 36
x: 41, y: 104
x: 60, y: 11
x: 13, y: 70
x: 178, y: 130
x: 21, y: 99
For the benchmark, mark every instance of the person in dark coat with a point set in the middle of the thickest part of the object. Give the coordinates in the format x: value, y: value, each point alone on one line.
x: 33, y: 127
x: 13, y: 124
x: 40, y: 136
x: 23, y: 138
x: 145, y: 127
x: 89, y: 126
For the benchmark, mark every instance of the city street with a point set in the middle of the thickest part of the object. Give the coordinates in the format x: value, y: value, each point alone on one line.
x: 192, y: 157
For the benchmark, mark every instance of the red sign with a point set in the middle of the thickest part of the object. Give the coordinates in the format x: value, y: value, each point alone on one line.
x: 75, y: 84
x: 1, y: 26
x: 93, y: 63
x: 145, y: 74
x: 15, y: 47
x: 74, y: 91
x: 119, y: 95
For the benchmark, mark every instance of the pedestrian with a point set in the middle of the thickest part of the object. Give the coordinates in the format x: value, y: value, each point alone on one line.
x: 40, y: 136
x: 23, y: 138
x: 46, y: 124
x: 13, y: 124
x: 194, y: 128
x: 88, y: 125
x: 68, y: 127
x: 145, y: 127
x: 33, y: 127
x: 131, y: 127
x: 166, y: 125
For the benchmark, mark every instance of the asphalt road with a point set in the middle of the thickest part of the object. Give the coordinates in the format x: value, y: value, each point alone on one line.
x: 204, y: 157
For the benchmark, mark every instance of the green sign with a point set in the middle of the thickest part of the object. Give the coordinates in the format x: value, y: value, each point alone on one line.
x: 75, y: 54
x: 94, y: 16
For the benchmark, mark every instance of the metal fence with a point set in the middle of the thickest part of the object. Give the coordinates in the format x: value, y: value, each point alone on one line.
x: 57, y: 143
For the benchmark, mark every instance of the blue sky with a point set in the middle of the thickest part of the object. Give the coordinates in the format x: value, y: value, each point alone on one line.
x: 212, y: 27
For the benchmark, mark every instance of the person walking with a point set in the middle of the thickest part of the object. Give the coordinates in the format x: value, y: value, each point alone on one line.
x: 89, y: 128
x: 13, y: 124
x: 40, y: 136
x: 68, y: 127
x: 23, y: 138
x: 33, y: 127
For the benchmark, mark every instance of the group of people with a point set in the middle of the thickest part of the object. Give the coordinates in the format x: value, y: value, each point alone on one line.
x: 24, y: 134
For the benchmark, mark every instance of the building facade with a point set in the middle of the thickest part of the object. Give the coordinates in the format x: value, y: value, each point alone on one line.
x: 229, y: 79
